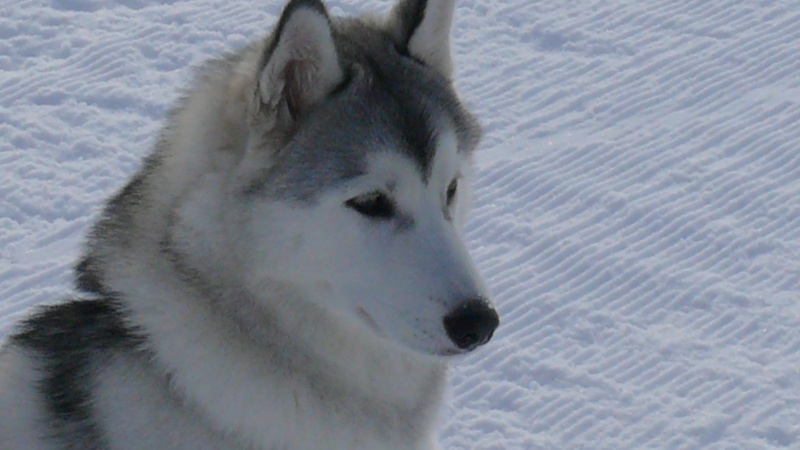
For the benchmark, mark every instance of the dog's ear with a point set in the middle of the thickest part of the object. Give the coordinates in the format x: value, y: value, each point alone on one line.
x: 422, y: 29
x: 300, y: 66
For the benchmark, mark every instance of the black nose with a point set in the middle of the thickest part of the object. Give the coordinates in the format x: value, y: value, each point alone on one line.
x: 471, y: 324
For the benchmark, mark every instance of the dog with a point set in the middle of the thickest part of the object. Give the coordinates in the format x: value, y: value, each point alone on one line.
x: 286, y: 270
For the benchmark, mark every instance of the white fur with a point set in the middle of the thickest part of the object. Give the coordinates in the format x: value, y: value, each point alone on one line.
x: 240, y: 393
x: 152, y: 419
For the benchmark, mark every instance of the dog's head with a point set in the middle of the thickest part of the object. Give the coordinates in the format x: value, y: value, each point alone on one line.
x: 356, y: 175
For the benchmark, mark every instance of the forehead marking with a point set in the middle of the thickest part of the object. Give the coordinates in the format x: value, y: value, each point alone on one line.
x: 399, y: 89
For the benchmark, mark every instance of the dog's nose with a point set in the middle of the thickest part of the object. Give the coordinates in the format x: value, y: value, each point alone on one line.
x: 471, y: 324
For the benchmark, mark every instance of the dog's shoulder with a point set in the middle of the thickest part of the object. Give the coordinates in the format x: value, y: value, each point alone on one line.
x: 47, y: 366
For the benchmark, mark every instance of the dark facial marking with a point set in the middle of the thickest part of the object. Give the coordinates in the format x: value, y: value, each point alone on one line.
x: 394, y: 84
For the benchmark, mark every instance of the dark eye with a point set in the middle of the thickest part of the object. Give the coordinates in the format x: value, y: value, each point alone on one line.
x: 376, y: 205
x: 451, y: 191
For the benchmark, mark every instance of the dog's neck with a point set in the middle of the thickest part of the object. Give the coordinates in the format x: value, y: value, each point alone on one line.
x: 277, y: 358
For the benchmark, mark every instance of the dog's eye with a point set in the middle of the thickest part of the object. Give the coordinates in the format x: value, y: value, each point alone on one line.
x: 451, y: 192
x: 376, y: 205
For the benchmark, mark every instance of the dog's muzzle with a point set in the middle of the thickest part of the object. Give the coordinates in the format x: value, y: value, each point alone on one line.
x: 471, y: 324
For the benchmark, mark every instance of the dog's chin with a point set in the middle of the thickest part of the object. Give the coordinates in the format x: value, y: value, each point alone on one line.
x: 435, y: 354
x: 438, y: 353
x: 450, y: 352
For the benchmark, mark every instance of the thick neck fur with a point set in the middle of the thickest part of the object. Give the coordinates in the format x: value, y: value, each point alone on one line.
x: 278, y: 362
x: 273, y: 365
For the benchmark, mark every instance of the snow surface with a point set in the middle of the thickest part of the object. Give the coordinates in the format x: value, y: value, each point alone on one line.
x: 639, y: 198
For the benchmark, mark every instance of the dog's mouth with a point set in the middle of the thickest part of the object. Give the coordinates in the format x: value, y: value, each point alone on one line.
x: 450, y: 352
x: 369, y: 321
x: 362, y: 313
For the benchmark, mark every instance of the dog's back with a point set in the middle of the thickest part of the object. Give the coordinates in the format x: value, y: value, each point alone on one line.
x: 75, y: 378
x: 49, y: 367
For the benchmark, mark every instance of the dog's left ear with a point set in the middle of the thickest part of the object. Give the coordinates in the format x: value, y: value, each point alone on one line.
x: 300, y: 67
x: 422, y: 29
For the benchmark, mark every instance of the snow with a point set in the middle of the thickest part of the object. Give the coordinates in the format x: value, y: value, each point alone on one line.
x: 638, y: 217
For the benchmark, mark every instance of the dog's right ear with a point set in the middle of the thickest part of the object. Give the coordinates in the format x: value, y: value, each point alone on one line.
x: 300, y: 66
x: 422, y: 29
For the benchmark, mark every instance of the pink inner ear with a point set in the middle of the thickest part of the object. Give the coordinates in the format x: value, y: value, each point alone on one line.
x: 293, y: 87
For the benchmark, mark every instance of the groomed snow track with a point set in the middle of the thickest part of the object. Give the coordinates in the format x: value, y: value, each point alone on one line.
x: 638, y: 211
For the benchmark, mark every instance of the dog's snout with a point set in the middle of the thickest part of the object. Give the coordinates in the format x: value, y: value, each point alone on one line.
x: 471, y: 324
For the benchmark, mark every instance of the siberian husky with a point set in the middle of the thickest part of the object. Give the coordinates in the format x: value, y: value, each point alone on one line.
x: 286, y: 270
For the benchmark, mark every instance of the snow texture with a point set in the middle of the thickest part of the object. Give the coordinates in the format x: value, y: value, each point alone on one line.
x: 638, y: 217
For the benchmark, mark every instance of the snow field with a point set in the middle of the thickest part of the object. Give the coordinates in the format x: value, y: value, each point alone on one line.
x: 638, y: 211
